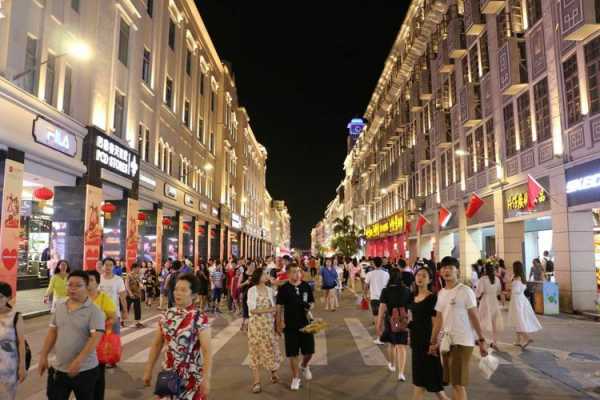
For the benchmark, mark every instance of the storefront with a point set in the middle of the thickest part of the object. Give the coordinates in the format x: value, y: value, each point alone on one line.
x: 40, y: 152
x: 235, y: 235
x: 536, y: 224
x: 480, y: 239
x: 386, y: 238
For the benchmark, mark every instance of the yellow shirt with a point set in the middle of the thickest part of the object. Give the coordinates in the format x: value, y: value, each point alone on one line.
x: 106, y: 305
x: 57, y: 287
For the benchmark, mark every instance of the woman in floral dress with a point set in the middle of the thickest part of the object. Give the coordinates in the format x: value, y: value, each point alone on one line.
x: 12, y: 343
x: 262, y: 342
x: 176, y: 328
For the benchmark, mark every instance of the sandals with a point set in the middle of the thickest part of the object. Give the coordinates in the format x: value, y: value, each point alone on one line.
x: 256, y: 388
x: 274, y: 377
x: 524, y: 346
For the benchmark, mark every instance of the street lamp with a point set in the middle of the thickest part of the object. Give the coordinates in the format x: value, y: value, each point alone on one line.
x: 76, y: 49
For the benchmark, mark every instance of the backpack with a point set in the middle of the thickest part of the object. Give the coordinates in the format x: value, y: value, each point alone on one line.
x: 549, y: 266
x: 399, y: 320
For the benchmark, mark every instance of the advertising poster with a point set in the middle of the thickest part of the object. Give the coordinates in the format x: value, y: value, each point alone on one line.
x: 196, y: 232
x: 11, y: 222
x: 159, y: 239
x: 550, y: 292
x: 132, y: 238
x: 92, y: 236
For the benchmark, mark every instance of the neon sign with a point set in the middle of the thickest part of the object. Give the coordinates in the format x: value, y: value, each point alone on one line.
x: 391, y: 225
x: 356, y: 126
x: 583, y: 183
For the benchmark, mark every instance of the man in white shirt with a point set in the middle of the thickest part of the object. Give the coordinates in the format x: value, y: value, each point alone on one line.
x: 375, y: 282
x: 114, y: 287
x: 457, y: 317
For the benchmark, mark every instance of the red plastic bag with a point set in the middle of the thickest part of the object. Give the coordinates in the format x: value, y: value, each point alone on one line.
x: 364, y: 304
x: 109, y: 349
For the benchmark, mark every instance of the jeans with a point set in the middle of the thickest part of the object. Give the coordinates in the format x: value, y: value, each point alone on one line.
x: 137, y: 307
x: 83, y: 385
x: 217, y: 292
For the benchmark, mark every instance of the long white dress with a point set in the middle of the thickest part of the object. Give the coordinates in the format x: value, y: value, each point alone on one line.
x: 520, y: 313
x: 489, y: 308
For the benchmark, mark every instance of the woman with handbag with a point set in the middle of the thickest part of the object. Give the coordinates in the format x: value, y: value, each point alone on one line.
x: 12, y: 365
x: 185, y: 332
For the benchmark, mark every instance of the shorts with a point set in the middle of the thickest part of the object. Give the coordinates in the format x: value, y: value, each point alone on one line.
x: 456, y: 365
x: 375, y: 307
x: 328, y: 287
x: 297, y: 342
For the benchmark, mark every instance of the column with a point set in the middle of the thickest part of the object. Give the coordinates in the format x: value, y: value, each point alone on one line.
x: 509, y: 236
x: 572, y: 240
x: 179, y: 225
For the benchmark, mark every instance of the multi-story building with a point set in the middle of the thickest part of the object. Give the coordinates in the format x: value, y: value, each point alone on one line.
x: 474, y: 97
x: 141, y: 151
x: 280, y: 227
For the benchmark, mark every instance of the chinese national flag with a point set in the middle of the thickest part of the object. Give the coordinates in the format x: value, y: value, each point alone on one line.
x: 421, y: 222
x: 474, y: 205
x: 444, y: 216
x: 533, y: 191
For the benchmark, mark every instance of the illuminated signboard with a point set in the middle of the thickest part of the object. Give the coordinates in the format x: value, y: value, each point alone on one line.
x: 115, y: 157
x: 583, y: 183
x: 518, y: 201
x: 391, y: 225
x: 236, y: 221
x: 356, y: 126
x: 48, y: 134
x: 515, y: 199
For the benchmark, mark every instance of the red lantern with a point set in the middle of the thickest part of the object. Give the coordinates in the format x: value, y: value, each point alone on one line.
x: 186, y: 227
x: 166, y: 221
x: 43, y: 194
x: 108, y: 208
x: 141, y: 216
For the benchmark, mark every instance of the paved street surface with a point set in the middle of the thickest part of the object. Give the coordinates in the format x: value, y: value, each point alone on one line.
x: 562, y: 363
x: 31, y: 301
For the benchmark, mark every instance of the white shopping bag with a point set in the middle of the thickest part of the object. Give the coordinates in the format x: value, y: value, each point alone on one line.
x: 488, y: 365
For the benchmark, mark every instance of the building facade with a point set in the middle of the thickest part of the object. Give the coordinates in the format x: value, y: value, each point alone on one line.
x: 474, y: 97
x: 140, y: 152
x: 280, y: 228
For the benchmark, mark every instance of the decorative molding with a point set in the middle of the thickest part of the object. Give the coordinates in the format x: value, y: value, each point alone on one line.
x: 527, y: 160
x: 512, y: 166
x: 123, y: 13
x: 545, y: 151
x: 595, y: 128
x: 537, y: 52
x: 576, y: 138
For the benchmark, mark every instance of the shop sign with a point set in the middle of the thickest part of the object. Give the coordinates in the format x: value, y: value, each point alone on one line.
x: 215, y: 212
x: 515, y: 199
x: 583, y: 183
x: 236, y: 221
x: 115, y: 157
x: 203, y: 206
x: 188, y: 200
x: 147, y: 181
x: 391, y: 225
x: 170, y: 191
x: 48, y: 134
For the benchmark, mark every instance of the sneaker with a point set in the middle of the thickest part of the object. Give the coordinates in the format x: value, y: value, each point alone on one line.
x: 401, y: 378
x: 377, y: 341
x: 306, y: 373
x: 391, y: 367
x: 295, y: 384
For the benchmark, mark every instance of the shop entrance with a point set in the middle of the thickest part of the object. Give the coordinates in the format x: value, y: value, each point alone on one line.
x: 537, y: 239
x: 480, y: 244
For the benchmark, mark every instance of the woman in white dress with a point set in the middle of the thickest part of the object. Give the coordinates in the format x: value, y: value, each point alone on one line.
x: 520, y: 313
x: 488, y: 289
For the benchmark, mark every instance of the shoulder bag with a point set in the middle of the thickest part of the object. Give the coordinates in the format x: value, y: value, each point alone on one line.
x: 27, y: 349
x: 168, y: 381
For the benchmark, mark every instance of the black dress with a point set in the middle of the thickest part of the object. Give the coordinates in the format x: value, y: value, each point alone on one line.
x: 426, y: 369
x: 394, y: 296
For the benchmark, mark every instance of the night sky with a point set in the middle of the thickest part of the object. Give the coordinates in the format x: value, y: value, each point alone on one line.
x: 303, y: 70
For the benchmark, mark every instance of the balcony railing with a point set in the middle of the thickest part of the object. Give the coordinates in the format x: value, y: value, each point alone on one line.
x: 512, y: 66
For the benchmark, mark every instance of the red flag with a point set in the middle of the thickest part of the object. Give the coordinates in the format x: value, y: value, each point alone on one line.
x: 421, y: 222
x: 474, y: 205
x: 533, y: 191
x: 444, y: 216
x: 407, y: 227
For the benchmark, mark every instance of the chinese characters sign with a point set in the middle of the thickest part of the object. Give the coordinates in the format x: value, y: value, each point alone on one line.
x: 515, y: 199
x: 391, y: 225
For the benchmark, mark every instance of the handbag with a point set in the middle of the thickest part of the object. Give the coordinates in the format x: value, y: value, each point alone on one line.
x: 168, y: 381
x: 27, y: 348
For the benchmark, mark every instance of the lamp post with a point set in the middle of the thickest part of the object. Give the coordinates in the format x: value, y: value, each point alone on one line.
x: 77, y: 49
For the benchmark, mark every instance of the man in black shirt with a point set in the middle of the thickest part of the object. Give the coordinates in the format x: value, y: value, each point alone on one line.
x: 294, y: 301
x: 407, y: 276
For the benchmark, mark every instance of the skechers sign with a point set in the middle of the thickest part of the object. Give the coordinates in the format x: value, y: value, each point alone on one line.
x: 48, y: 134
x: 583, y: 183
x: 115, y: 157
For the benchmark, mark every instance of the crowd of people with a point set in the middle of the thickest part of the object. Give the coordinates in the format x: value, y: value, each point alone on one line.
x: 423, y: 308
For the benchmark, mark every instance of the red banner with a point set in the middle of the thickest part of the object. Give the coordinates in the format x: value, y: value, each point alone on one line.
x: 11, y: 222
x: 474, y: 205
x: 533, y: 191
x: 159, y: 239
x: 133, y: 237
x: 92, y: 236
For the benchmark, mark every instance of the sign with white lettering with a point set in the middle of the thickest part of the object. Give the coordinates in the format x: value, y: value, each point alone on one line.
x: 583, y: 183
x: 188, y: 200
x: 170, y: 191
x: 236, y: 221
x: 48, y: 134
x: 215, y: 212
x: 116, y: 157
